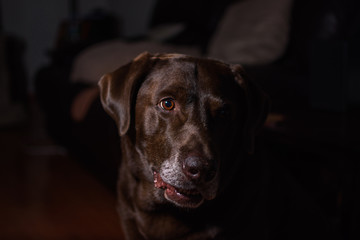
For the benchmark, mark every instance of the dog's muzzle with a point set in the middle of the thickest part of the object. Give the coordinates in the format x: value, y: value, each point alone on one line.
x: 189, y: 198
x: 187, y: 183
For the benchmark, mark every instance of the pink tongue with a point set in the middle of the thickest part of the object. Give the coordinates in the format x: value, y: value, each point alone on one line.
x: 159, y: 183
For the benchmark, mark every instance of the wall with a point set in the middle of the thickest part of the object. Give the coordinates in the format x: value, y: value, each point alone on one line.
x: 37, y: 21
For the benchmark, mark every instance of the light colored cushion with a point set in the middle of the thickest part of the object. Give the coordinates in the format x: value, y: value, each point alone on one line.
x: 252, y: 32
x: 106, y: 57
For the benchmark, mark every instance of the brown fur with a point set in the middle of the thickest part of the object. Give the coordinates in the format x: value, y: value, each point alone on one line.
x: 199, y: 148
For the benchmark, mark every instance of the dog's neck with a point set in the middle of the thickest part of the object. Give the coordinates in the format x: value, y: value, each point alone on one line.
x: 151, y: 219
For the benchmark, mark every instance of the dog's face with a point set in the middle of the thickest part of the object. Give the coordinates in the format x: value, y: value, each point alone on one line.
x: 189, y: 119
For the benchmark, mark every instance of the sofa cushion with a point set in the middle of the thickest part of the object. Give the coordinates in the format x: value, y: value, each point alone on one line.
x: 252, y: 32
x: 105, y: 57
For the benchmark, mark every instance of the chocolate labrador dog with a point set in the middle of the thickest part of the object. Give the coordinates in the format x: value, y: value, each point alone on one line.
x: 187, y: 127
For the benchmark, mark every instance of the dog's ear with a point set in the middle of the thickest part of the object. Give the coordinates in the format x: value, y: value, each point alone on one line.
x: 257, y: 106
x: 118, y: 90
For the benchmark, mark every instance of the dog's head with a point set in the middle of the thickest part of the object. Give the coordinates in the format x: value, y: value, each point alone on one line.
x: 188, y: 118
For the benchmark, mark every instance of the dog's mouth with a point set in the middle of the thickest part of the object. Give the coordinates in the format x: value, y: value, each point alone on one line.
x: 187, y: 198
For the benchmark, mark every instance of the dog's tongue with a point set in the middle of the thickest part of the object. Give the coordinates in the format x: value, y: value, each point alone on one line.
x: 183, y: 198
x: 159, y: 183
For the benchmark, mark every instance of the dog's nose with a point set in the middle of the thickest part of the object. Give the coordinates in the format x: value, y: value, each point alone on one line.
x: 198, y: 169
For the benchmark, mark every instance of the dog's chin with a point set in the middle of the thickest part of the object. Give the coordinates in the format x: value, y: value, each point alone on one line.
x: 184, y: 198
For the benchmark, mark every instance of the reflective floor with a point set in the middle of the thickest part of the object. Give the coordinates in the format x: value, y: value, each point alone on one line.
x: 45, y: 194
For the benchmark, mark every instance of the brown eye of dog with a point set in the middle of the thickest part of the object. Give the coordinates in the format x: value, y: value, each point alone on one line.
x: 167, y: 104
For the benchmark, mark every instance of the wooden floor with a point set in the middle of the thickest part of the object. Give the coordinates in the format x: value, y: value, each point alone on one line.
x: 45, y: 195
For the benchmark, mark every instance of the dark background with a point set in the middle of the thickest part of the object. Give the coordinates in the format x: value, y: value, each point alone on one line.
x: 314, y: 87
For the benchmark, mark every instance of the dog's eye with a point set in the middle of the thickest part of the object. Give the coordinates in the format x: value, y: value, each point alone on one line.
x: 167, y: 104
